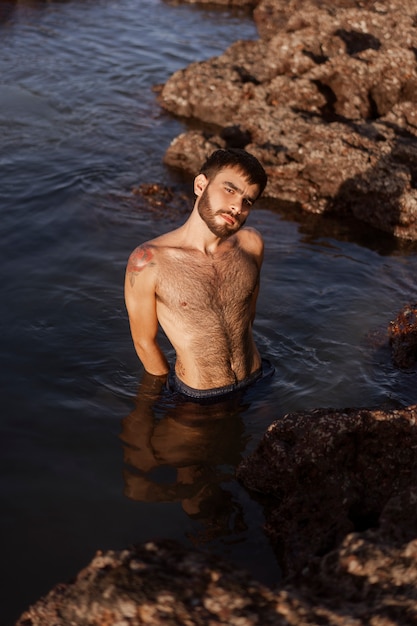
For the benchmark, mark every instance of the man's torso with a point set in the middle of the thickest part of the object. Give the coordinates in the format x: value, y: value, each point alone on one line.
x: 204, y: 305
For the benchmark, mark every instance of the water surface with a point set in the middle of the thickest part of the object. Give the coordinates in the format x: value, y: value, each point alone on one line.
x: 80, y: 127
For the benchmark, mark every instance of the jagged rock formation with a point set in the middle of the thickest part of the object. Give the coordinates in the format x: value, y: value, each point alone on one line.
x: 325, y: 473
x: 402, y: 334
x: 326, y: 98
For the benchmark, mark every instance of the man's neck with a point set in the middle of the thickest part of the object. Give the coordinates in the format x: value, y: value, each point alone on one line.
x: 196, y: 234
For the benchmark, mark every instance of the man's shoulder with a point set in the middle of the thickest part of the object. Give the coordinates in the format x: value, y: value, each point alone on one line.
x: 151, y: 249
x: 250, y: 239
x: 146, y: 256
x: 141, y: 256
x: 249, y: 231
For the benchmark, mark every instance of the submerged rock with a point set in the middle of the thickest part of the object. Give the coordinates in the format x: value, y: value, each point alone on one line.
x: 403, y: 337
x: 325, y: 98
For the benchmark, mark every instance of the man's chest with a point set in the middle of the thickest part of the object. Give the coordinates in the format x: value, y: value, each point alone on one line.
x: 189, y: 281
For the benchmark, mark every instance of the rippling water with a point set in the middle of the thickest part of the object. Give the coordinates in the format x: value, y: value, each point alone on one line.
x: 79, y: 127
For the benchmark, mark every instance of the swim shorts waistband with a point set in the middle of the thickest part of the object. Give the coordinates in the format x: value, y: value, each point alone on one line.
x: 175, y: 384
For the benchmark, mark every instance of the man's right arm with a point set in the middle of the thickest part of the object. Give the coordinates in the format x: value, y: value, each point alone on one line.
x: 140, y: 298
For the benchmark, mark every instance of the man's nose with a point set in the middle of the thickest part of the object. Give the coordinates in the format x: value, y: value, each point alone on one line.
x: 236, y: 205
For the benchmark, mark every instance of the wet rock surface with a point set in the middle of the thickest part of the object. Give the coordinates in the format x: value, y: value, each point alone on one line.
x: 372, y: 577
x: 326, y: 98
x: 325, y: 473
x: 403, y: 337
x: 154, y: 584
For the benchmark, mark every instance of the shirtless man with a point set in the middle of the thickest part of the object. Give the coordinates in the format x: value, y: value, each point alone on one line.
x: 200, y: 283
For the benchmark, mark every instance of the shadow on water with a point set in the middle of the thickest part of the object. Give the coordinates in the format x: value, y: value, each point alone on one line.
x: 176, y: 450
x: 185, y: 453
x: 7, y: 10
x: 10, y: 9
x: 355, y: 212
x: 342, y: 228
x: 394, y: 174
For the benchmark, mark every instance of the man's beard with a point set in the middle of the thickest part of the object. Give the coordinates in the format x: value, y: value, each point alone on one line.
x: 208, y: 216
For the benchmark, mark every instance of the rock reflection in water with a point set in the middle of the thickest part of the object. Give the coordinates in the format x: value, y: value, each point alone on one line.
x: 176, y: 450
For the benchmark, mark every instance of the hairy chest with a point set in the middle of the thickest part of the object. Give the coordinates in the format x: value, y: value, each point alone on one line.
x: 190, y: 282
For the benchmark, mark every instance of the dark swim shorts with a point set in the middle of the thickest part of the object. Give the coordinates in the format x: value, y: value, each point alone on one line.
x: 175, y: 384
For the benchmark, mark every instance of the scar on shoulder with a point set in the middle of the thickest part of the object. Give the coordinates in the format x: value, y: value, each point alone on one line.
x: 138, y: 260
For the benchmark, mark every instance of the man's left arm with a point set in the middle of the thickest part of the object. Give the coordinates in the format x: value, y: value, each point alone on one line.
x: 140, y: 298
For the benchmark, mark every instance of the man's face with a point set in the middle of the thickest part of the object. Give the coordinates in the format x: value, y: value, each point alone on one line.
x: 225, y: 202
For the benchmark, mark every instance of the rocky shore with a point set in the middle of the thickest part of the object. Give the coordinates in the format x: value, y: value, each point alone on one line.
x: 327, y: 99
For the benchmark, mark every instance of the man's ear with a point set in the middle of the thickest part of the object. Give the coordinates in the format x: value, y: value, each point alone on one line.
x: 200, y: 183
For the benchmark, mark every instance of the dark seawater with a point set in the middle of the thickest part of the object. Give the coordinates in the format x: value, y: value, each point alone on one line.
x: 88, y: 460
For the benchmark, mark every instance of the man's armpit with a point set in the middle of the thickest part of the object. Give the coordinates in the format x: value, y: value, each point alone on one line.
x: 138, y: 261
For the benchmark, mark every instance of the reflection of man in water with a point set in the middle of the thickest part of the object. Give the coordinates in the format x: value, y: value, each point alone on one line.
x: 185, y: 452
x: 200, y: 283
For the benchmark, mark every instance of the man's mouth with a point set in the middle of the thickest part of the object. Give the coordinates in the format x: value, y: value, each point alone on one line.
x: 228, y: 218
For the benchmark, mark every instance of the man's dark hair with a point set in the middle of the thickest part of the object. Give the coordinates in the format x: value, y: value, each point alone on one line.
x: 239, y: 159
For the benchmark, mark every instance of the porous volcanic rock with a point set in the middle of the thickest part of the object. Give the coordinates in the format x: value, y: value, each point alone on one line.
x: 155, y: 584
x: 326, y: 98
x: 324, y: 473
x: 371, y: 578
x: 403, y: 337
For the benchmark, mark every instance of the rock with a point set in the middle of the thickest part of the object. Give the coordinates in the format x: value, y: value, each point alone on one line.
x: 324, y: 473
x: 403, y: 337
x: 372, y: 577
x: 155, y: 200
x: 156, y: 584
x: 151, y: 196
x: 326, y: 98
x: 231, y: 3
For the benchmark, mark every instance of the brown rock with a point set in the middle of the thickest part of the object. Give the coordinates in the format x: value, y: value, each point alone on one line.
x: 156, y: 584
x: 402, y: 334
x: 372, y: 577
x: 324, y: 473
x: 232, y: 3
x: 326, y: 99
